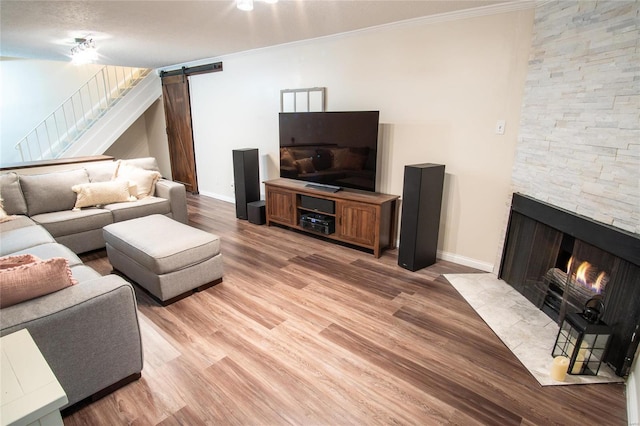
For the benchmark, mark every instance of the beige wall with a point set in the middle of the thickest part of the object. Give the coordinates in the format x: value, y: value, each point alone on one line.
x: 133, y: 143
x: 157, y: 137
x: 440, y: 87
x: 30, y: 90
x: 146, y: 137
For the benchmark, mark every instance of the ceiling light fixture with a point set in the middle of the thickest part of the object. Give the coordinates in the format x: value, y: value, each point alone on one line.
x: 245, y: 5
x: 84, y: 51
x: 248, y: 4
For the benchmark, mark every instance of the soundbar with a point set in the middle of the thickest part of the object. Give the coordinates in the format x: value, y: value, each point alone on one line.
x: 323, y: 187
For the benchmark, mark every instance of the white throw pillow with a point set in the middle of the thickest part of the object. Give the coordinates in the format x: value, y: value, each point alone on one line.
x: 100, y: 193
x: 143, y: 180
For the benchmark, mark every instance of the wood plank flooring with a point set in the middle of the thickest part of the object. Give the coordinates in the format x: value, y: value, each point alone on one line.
x: 307, y: 332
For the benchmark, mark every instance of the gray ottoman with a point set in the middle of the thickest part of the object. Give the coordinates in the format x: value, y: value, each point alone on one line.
x: 169, y: 259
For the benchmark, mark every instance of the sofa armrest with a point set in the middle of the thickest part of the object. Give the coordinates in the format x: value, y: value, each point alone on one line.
x: 88, y: 333
x: 176, y: 194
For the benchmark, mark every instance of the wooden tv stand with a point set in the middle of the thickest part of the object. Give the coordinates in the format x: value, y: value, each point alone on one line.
x: 362, y: 218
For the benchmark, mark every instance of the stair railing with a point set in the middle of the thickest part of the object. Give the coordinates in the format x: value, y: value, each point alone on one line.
x: 60, y: 129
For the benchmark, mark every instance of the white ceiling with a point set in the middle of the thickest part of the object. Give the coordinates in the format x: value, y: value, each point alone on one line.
x: 156, y: 34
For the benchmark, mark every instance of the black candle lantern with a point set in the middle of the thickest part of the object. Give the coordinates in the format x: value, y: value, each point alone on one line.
x: 582, y: 338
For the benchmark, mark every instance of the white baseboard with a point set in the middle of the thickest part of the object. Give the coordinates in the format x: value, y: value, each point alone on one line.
x: 219, y: 197
x: 632, y: 400
x: 466, y: 261
x: 450, y: 257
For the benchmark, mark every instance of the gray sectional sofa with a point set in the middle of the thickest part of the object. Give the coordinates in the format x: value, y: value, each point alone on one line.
x: 88, y: 332
x: 48, y: 199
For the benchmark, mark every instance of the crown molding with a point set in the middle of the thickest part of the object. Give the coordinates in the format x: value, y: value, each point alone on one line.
x: 495, y: 9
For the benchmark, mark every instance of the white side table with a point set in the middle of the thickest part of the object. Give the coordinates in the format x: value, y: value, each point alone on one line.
x: 31, y: 394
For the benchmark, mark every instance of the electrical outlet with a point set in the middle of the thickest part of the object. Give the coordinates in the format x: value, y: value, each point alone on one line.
x: 500, y: 125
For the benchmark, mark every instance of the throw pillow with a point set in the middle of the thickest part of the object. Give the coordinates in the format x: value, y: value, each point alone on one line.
x: 4, y: 217
x: 100, y: 193
x: 353, y: 161
x: 101, y: 171
x: 25, y: 277
x: 147, y: 163
x: 51, y: 192
x: 144, y: 180
x: 305, y: 165
x: 339, y: 157
x: 11, y: 193
x: 286, y: 159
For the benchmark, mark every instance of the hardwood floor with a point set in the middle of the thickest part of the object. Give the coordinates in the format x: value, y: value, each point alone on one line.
x: 303, y: 331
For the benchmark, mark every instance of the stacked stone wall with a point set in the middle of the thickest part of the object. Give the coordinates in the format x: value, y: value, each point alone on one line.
x: 579, y: 139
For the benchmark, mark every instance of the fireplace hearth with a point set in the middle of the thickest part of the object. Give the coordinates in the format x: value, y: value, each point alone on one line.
x: 559, y: 260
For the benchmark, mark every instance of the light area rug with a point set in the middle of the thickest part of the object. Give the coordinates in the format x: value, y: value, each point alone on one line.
x: 527, y: 331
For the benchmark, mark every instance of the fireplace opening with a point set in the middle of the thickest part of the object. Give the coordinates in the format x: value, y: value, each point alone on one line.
x: 559, y: 260
x: 554, y: 280
x: 572, y: 281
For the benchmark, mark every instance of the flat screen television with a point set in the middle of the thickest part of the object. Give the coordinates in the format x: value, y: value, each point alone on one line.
x: 330, y: 150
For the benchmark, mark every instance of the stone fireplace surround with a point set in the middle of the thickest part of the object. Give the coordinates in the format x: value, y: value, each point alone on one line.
x: 536, y: 238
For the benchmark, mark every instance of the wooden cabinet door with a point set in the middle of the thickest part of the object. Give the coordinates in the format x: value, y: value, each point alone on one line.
x: 280, y: 206
x: 357, y: 222
x: 177, y: 109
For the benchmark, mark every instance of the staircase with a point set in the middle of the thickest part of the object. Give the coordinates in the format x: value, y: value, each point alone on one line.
x: 62, y: 132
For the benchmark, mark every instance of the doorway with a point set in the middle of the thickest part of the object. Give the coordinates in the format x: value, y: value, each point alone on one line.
x: 177, y: 110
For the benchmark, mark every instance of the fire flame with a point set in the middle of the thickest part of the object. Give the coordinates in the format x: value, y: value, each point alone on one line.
x: 601, y: 281
x: 581, y: 273
x: 584, y: 276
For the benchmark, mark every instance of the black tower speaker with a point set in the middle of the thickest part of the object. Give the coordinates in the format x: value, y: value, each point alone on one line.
x: 246, y: 179
x: 421, y: 204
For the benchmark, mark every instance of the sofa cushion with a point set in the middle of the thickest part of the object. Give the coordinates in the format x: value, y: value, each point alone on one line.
x: 140, y: 208
x: 100, y: 193
x: 299, y: 153
x: 51, y: 250
x: 51, y: 192
x: 101, y: 171
x: 145, y: 207
x: 82, y: 273
x: 73, y: 222
x: 11, y: 193
x: 19, y: 221
x: 144, y: 180
x: 25, y: 277
x: 322, y: 160
x: 22, y: 238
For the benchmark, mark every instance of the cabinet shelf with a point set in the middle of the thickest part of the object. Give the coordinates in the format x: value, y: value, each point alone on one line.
x: 363, y: 219
x: 306, y: 210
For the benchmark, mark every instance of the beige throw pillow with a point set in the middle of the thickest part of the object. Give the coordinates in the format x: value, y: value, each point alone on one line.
x: 4, y: 217
x: 100, y: 193
x: 143, y: 180
x: 305, y: 165
x: 286, y: 159
x: 339, y: 157
x: 25, y: 277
